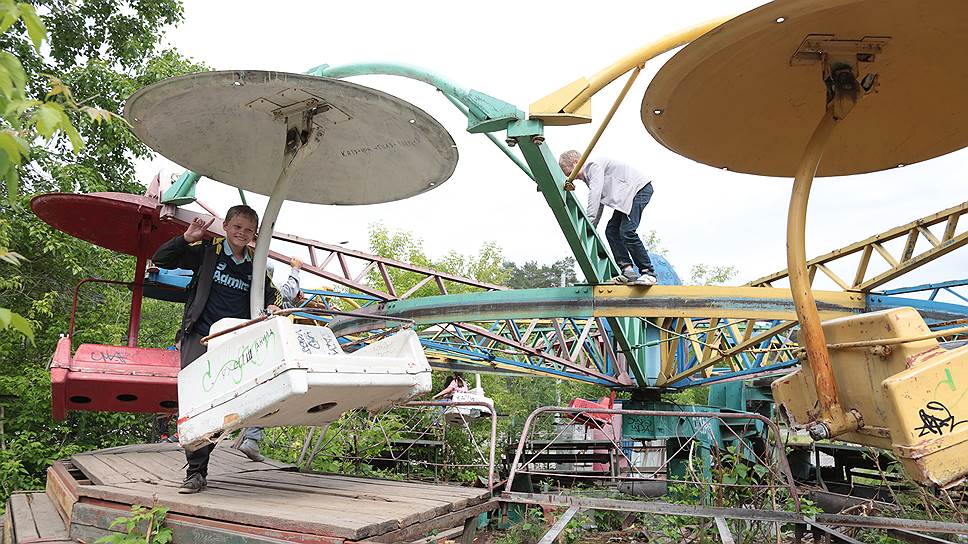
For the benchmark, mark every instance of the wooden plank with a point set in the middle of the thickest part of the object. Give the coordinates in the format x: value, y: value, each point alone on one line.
x: 224, y: 461
x: 443, y: 522
x: 447, y: 492
x: 359, y: 512
x: 23, y: 522
x: 61, y: 488
x: 97, y: 470
x: 47, y: 520
x: 428, y: 492
x: 409, y: 484
x: 130, y: 470
x: 469, y: 531
x: 223, y: 506
x: 419, y: 509
x: 279, y: 508
x: 552, y: 535
x: 333, y: 487
x: 442, y: 536
x: 261, y: 465
x: 156, y: 465
x: 97, y: 515
x: 139, y: 448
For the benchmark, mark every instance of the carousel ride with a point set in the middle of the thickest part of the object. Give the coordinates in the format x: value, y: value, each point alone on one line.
x: 643, y: 341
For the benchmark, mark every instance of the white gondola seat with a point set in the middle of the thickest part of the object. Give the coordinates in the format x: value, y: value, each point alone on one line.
x: 458, y: 415
x: 277, y: 373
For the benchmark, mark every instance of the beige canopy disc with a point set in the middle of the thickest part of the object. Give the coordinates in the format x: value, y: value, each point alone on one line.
x: 747, y: 95
x: 231, y: 126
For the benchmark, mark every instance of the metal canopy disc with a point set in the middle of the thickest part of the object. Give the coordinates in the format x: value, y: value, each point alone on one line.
x: 736, y: 99
x: 230, y: 126
x: 109, y: 220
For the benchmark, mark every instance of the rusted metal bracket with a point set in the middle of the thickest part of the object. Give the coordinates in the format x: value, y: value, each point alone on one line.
x: 817, y: 47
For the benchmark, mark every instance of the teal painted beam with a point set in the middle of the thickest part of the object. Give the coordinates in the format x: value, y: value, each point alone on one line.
x: 182, y: 191
x: 486, y: 113
x: 500, y: 145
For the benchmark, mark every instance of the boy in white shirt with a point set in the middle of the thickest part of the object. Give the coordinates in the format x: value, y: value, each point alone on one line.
x: 627, y: 191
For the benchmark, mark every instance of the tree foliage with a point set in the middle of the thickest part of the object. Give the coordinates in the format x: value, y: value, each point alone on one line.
x: 485, y: 266
x: 705, y: 274
x: 97, y: 53
x: 515, y: 397
x: 531, y: 275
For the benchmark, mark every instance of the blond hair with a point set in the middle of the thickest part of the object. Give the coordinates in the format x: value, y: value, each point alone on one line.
x: 568, y: 159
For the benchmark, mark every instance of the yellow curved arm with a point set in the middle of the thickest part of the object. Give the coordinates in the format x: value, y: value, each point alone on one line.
x: 571, y: 104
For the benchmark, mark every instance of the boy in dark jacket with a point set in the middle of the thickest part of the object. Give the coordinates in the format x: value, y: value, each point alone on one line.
x: 219, y: 288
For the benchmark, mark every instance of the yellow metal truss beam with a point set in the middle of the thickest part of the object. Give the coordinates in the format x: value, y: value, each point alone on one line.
x: 903, y: 264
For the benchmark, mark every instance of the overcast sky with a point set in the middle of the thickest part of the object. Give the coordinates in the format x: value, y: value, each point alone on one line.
x: 520, y: 52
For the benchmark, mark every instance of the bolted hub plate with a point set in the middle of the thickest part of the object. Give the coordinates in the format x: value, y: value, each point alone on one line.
x: 747, y: 95
x: 231, y: 126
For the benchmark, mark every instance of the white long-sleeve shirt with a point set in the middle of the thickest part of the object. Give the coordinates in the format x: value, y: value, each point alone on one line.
x: 290, y: 288
x: 611, y: 183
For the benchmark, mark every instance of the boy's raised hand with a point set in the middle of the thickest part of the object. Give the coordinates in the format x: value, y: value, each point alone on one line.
x: 196, y: 230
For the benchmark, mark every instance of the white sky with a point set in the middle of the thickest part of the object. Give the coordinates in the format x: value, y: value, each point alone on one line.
x: 520, y: 52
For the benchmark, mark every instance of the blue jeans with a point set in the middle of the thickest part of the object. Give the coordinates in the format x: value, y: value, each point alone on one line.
x: 627, y: 247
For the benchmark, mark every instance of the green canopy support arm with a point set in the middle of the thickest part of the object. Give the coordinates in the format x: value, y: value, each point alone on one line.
x: 182, y: 191
x: 486, y: 114
x: 582, y: 237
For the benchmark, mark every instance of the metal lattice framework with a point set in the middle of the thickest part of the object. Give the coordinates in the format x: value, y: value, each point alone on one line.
x: 564, y: 346
x: 864, y: 279
x: 742, y: 347
x: 650, y: 340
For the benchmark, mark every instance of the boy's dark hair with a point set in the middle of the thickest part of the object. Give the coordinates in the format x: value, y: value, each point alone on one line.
x: 242, y: 209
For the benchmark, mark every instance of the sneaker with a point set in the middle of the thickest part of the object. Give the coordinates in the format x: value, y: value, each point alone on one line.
x: 627, y: 276
x: 193, y: 484
x: 251, y: 450
x: 645, y: 279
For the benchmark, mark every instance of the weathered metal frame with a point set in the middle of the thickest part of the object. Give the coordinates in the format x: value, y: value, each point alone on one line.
x: 621, y: 340
x: 782, y: 460
x: 911, y: 232
x: 770, y: 516
x: 308, y: 454
x: 352, y: 267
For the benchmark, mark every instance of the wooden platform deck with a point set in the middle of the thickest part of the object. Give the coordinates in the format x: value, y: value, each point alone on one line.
x: 246, y: 501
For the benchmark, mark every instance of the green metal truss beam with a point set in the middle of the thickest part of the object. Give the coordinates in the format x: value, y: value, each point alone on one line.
x: 583, y: 239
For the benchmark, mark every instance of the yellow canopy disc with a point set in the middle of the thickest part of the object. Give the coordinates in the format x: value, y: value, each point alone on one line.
x: 747, y: 95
